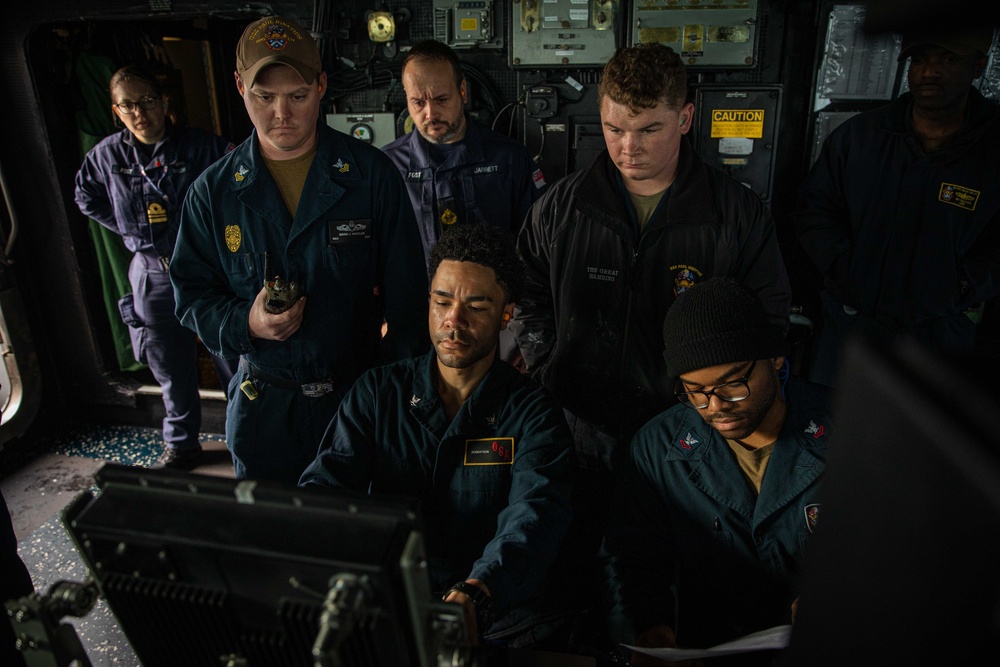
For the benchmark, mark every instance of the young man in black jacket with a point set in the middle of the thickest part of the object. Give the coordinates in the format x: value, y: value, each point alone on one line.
x: 610, y: 247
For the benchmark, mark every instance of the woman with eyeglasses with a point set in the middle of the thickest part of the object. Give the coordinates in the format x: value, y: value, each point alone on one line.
x: 133, y: 182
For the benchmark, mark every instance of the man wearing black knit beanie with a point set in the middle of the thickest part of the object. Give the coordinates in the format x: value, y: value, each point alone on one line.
x: 718, y: 497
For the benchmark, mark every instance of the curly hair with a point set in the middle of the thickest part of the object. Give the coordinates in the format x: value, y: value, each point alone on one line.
x: 640, y: 77
x: 435, y: 51
x: 486, y: 245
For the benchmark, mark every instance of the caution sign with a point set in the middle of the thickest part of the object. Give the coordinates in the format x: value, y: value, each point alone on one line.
x: 746, y: 123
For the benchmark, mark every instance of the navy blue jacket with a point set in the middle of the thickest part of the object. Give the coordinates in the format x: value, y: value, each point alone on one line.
x: 589, y: 322
x: 352, y: 247
x: 686, y: 519
x: 498, y: 514
x: 118, y: 184
x: 487, y: 177
x: 903, y: 235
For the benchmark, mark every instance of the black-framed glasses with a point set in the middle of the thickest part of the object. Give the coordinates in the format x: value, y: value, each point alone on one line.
x: 730, y: 392
x: 128, y: 107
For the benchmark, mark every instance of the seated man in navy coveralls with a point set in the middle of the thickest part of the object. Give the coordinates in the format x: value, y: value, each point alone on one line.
x: 318, y: 208
x: 718, y: 497
x: 484, y: 447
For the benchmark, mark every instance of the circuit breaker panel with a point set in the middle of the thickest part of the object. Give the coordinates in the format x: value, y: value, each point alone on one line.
x: 722, y: 33
x: 557, y: 33
x: 464, y: 24
x: 737, y: 132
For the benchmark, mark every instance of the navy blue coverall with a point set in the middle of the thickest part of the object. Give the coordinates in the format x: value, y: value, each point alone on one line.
x: 138, y: 196
x: 494, y: 482
x: 486, y: 177
x: 690, y: 544
x: 352, y: 247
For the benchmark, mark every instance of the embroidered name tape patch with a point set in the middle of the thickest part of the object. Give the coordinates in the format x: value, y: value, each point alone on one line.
x: 489, y: 452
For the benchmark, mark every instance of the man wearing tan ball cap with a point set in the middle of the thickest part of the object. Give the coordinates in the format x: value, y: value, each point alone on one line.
x: 317, y: 208
x: 276, y: 40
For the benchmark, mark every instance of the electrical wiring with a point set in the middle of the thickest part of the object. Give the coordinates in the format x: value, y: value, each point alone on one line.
x: 492, y: 97
x: 541, y: 144
x: 512, y: 106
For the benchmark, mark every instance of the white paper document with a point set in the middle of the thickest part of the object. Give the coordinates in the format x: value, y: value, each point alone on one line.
x: 772, y: 638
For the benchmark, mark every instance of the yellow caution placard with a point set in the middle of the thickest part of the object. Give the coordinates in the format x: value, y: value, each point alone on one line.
x: 747, y: 123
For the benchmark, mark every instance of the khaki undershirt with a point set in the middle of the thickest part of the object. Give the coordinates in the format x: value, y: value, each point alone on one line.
x: 290, y: 175
x: 645, y: 205
x: 753, y: 462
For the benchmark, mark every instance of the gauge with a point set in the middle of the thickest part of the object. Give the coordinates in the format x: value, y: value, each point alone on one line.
x: 381, y: 26
x: 363, y: 132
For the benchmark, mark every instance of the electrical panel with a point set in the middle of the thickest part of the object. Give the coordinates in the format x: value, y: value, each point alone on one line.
x: 561, y: 123
x: 377, y: 129
x: 826, y: 122
x: 463, y: 24
x: 556, y: 33
x: 737, y: 131
x: 718, y: 34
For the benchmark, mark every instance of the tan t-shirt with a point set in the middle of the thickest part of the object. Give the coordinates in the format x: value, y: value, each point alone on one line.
x: 290, y: 175
x: 753, y: 462
x: 645, y: 205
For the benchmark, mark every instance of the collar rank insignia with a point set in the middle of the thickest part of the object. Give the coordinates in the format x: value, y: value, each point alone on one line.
x: 812, y: 516
x: 491, y: 421
x: 156, y: 213
x: 688, y: 442
x: 241, y: 174
x: 414, y: 400
x: 814, y: 430
x: 341, y: 166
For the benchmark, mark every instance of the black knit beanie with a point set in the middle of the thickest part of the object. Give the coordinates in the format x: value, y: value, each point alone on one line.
x: 715, y: 322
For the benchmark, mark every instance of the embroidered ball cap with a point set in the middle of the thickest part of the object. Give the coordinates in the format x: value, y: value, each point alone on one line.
x: 964, y: 42
x: 715, y: 322
x: 276, y: 40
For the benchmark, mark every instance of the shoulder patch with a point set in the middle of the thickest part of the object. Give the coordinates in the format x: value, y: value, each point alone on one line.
x: 811, y: 513
x: 815, y: 430
x: 539, y: 178
x: 688, y: 443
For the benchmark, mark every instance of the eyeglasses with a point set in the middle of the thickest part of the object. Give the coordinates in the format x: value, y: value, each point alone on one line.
x: 730, y: 392
x: 146, y: 103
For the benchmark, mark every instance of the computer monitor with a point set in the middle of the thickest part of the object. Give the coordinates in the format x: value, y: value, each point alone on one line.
x: 203, y: 570
x: 904, y: 567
